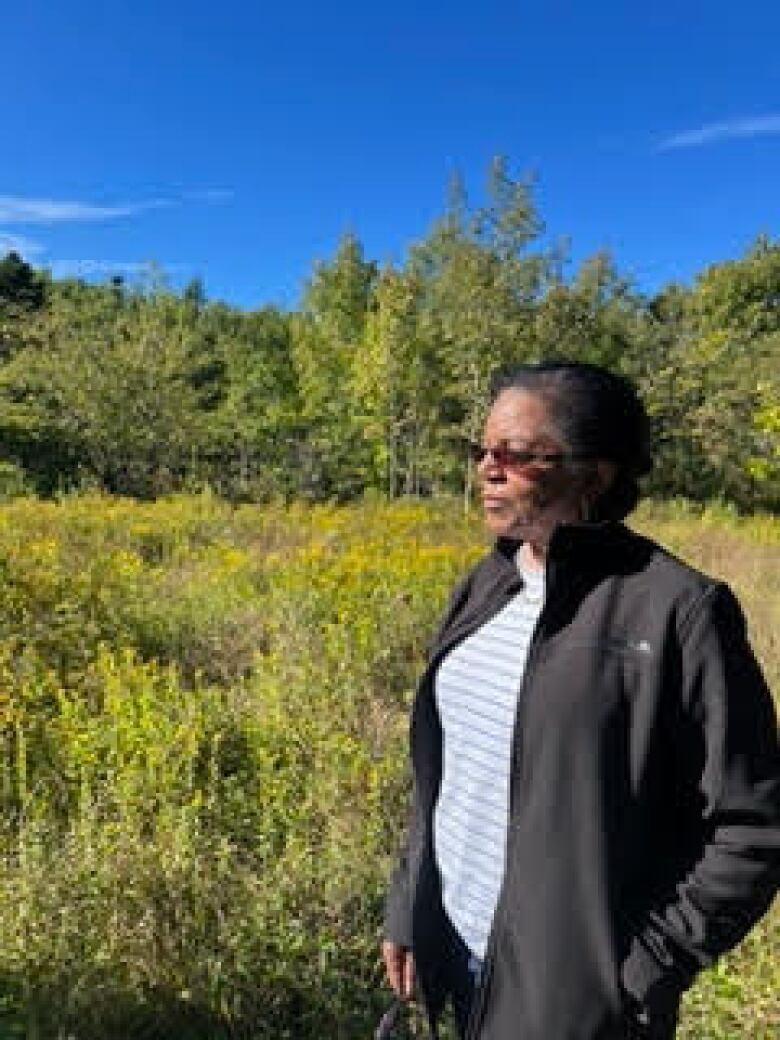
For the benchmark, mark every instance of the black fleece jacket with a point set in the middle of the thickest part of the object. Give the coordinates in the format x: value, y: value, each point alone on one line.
x: 644, y: 830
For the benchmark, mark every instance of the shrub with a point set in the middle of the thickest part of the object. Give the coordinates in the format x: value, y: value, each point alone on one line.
x: 203, y: 715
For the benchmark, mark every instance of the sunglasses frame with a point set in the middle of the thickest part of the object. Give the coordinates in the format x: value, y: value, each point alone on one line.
x: 518, y: 458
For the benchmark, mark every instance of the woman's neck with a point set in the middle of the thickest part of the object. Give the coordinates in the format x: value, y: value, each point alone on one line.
x: 534, y: 554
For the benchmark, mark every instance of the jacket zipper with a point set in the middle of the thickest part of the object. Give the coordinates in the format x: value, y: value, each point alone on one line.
x: 477, y: 1011
x: 505, y: 594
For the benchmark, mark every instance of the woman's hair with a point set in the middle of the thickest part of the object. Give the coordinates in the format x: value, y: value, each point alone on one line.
x: 598, y: 414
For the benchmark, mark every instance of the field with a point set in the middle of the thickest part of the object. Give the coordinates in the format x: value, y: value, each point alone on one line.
x: 202, y: 768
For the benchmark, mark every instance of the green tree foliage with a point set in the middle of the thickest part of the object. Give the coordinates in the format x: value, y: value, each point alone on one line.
x: 593, y: 318
x: 327, y: 340
x: 716, y: 392
x: 101, y: 392
x: 397, y: 385
x: 20, y: 286
x: 480, y: 288
x: 257, y: 431
x: 22, y: 291
x: 376, y: 380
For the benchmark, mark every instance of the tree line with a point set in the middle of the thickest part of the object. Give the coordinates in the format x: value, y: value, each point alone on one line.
x: 380, y: 375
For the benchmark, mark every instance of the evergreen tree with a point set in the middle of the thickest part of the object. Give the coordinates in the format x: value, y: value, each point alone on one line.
x: 20, y: 286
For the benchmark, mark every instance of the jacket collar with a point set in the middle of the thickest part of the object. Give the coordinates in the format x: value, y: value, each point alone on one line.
x: 576, y: 544
x: 578, y: 558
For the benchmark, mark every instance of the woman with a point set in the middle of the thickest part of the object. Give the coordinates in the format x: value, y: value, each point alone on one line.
x: 596, y: 767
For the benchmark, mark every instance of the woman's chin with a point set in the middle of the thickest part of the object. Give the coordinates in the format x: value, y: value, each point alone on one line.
x: 524, y: 527
x: 499, y: 524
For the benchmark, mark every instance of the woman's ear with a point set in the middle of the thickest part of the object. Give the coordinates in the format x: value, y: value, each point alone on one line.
x: 600, y: 477
x: 604, y: 474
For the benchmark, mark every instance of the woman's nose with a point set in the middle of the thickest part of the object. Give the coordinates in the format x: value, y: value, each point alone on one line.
x: 489, y: 466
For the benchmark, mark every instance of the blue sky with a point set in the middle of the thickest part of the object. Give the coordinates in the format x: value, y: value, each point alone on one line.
x: 238, y: 140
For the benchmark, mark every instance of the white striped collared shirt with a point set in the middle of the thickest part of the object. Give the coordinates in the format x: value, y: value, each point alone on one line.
x: 477, y: 687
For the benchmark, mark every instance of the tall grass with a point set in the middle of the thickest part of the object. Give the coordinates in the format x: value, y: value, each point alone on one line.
x: 202, y: 759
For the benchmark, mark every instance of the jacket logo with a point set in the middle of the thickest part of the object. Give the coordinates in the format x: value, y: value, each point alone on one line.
x: 629, y: 646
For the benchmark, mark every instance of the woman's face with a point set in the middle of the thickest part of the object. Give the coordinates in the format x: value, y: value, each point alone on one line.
x: 528, y: 500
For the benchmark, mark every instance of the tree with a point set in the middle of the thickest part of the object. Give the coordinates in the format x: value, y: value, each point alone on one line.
x: 20, y: 286
x: 480, y: 289
x: 257, y: 430
x: 593, y: 318
x: 194, y: 293
x: 327, y: 338
x: 101, y: 392
x: 396, y: 383
x: 22, y: 293
x: 716, y: 396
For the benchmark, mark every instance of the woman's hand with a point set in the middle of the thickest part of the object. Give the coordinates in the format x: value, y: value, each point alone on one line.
x: 399, y: 966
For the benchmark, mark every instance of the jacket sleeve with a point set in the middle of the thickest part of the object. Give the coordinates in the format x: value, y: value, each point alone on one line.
x: 737, y: 872
x: 398, y: 904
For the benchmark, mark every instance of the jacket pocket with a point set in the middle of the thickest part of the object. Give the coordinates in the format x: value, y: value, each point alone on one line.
x: 643, y: 1021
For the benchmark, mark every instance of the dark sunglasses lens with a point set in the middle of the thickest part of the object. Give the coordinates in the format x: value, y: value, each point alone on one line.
x: 502, y: 455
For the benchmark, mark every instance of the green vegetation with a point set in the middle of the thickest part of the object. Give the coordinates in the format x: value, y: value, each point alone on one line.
x: 202, y: 699
x: 202, y: 762
x: 379, y: 375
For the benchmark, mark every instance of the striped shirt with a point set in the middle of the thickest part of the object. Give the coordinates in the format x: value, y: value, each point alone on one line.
x: 477, y: 687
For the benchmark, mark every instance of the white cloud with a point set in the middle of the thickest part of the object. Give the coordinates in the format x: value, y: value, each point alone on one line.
x: 24, y: 210
x: 105, y: 268
x: 85, y: 268
x: 711, y: 133
x: 18, y: 209
x: 26, y: 247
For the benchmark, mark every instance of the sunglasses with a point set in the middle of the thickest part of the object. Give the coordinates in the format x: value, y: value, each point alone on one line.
x: 517, y: 458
